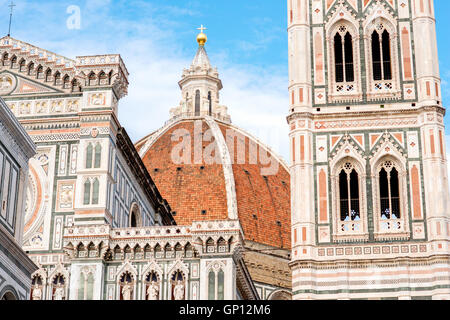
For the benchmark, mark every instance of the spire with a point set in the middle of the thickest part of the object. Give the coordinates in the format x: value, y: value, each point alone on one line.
x: 201, y: 58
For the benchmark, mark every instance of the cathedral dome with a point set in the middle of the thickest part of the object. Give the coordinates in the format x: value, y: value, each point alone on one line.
x: 254, y: 187
x: 211, y: 170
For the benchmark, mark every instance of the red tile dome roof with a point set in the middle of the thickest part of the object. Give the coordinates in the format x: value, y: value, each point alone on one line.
x: 201, y: 190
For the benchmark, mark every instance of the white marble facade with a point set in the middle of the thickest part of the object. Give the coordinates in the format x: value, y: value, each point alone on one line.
x: 16, y: 148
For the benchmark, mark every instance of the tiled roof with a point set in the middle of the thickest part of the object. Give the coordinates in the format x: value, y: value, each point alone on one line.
x: 198, y: 191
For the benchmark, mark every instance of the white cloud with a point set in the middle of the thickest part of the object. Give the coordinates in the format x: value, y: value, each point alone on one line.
x: 257, y: 101
x: 256, y: 96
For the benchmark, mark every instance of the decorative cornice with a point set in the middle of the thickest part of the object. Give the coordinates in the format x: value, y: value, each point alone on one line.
x: 362, y: 263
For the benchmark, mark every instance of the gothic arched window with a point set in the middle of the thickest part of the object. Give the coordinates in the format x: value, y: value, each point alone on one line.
x: 222, y: 245
x: 133, y: 222
x: 158, y: 251
x: 22, y: 65
x: 110, y: 75
x: 87, y: 192
x: 221, y: 286
x: 386, y: 56
x: 89, y: 155
x: 349, y: 194
x: 210, y: 246
x: 348, y: 207
x: 66, y: 82
x: 93, y: 156
x: 5, y: 59
x: 48, y: 75
x: 381, y: 54
x: 91, y: 191
x: 197, y: 103
x: 376, y: 56
x: 389, y: 192
x: 103, y: 78
x: 168, y: 251
x: 86, y: 286
x: 95, y: 191
x: 390, y: 199
x: 349, y: 68
x: 338, y: 58
x: 40, y: 72
x: 135, y: 216
x: 212, y: 285
x: 74, y: 86
x: 216, y: 280
x: 57, y: 79
x: 178, y: 251
x: 92, y: 79
x: 13, y: 61
x: 343, y: 56
x: 188, y: 250
x: 30, y: 68
x: 98, y: 156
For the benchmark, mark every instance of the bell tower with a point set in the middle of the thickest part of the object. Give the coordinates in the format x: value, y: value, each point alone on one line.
x: 369, y: 182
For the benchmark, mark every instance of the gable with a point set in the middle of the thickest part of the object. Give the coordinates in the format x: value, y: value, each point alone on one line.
x: 12, y: 84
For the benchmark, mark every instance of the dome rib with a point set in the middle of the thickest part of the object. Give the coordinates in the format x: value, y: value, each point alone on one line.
x: 227, y: 190
x: 227, y: 167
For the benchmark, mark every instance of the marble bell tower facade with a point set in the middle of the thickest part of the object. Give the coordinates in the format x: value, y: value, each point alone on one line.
x: 369, y: 182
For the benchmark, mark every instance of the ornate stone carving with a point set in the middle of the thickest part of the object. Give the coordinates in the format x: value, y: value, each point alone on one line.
x: 59, y: 293
x: 6, y: 84
x: 153, y: 291
x: 178, y: 291
x: 127, y: 292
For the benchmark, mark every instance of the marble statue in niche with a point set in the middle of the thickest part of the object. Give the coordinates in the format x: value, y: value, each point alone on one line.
x: 178, y: 291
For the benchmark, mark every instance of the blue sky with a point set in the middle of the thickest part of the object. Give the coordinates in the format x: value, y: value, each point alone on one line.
x: 156, y: 38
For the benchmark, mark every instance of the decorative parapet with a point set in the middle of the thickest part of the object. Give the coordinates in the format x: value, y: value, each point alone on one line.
x: 205, y: 237
x: 61, y: 73
x: 24, y: 48
x: 176, y: 115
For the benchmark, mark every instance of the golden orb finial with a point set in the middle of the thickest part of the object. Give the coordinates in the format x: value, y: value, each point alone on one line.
x: 202, y: 38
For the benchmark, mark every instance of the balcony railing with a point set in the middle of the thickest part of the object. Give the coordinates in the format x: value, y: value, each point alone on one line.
x: 383, y: 86
x: 345, y: 88
x: 391, y: 225
x: 390, y: 220
x: 350, y: 227
x: 350, y: 218
x: 194, y: 115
